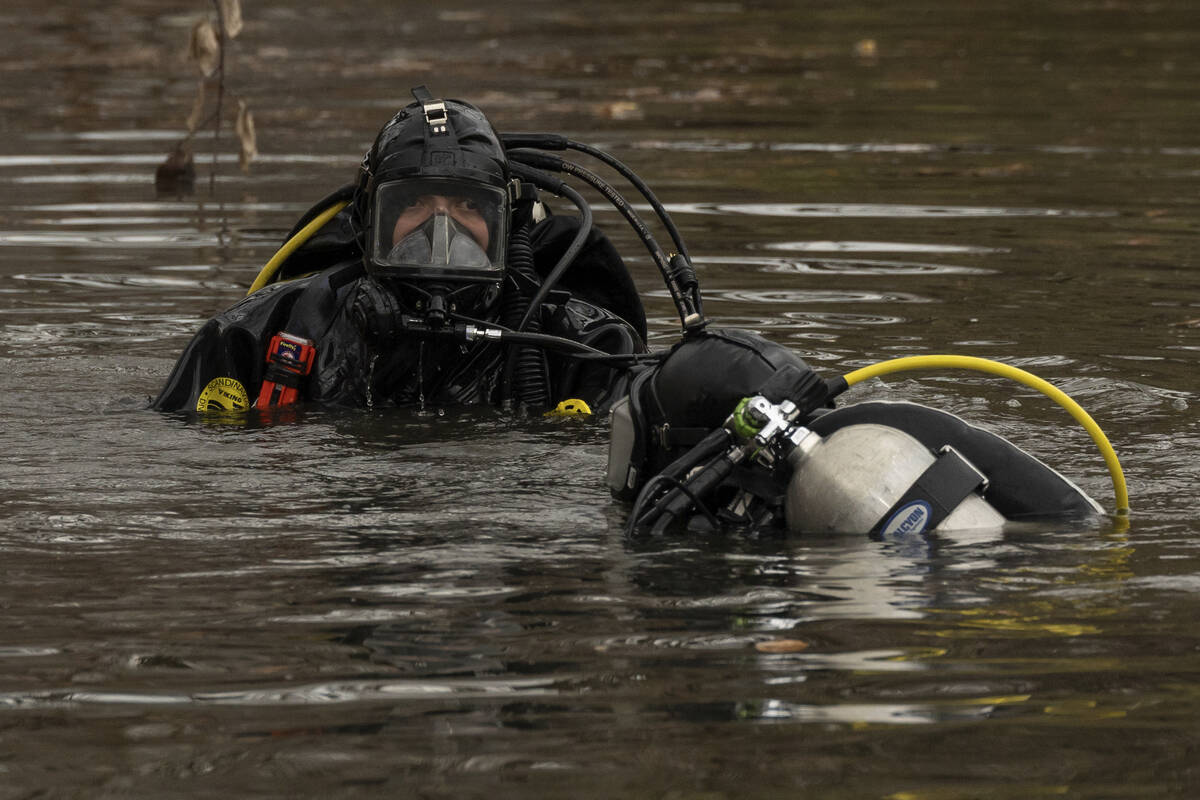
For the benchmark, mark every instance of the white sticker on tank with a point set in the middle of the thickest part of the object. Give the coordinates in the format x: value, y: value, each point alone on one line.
x: 911, y: 518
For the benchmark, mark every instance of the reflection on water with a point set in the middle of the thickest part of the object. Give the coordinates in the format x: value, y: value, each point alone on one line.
x: 804, y: 297
x: 872, y: 210
x: 879, y: 247
x: 329, y: 693
x: 841, y: 266
x: 349, y: 603
x: 917, y: 148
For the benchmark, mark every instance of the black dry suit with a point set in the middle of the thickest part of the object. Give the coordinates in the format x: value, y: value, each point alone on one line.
x: 357, y: 365
x: 348, y: 322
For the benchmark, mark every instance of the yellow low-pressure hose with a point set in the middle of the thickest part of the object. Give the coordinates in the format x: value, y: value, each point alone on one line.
x: 1020, y: 376
x: 289, y: 247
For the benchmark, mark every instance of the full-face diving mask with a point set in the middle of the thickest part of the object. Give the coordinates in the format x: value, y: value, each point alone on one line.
x: 439, y: 228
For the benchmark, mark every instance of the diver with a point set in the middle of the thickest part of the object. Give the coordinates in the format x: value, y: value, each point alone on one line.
x: 437, y: 278
x: 442, y: 277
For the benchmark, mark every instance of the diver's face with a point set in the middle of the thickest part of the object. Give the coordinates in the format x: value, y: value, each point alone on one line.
x: 463, y: 210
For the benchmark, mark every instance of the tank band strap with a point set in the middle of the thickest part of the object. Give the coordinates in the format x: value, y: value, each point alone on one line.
x: 933, y: 496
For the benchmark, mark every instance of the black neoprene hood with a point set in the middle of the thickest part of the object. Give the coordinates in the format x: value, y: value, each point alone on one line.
x: 410, y: 145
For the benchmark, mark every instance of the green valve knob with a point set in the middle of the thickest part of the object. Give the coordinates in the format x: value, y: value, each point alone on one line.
x: 744, y: 427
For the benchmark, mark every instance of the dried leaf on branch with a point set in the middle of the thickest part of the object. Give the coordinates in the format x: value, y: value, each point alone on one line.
x: 205, y: 48
x: 231, y: 15
x: 197, y: 116
x: 245, y: 132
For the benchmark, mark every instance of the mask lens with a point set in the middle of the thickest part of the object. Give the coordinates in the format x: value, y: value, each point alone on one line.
x: 438, y: 225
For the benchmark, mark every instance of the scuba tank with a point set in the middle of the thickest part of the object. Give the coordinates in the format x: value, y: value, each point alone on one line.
x: 871, y: 477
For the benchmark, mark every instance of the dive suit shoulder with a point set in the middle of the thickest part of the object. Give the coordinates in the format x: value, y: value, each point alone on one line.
x: 224, y: 362
x: 597, y: 383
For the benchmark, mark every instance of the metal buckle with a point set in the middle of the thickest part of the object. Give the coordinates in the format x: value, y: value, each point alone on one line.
x: 435, y: 116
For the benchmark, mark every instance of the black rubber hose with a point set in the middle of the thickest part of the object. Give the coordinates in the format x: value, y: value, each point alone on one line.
x: 526, y: 373
x: 550, y: 342
x: 544, y: 181
x: 554, y: 141
x: 712, y: 445
x: 691, y: 492
x: 547, y: 161
x: 631, y: 176
x: 679, y: 296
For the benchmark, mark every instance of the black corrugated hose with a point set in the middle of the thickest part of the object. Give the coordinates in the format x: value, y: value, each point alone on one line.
x: 526, y: 374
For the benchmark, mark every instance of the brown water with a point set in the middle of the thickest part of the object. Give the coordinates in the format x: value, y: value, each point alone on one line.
x: 380, y: 604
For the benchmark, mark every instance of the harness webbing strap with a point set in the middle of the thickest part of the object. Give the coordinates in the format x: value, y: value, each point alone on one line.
x: 933, y: 496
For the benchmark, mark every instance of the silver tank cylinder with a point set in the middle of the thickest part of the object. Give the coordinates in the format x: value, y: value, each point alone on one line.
x: 847, y: 482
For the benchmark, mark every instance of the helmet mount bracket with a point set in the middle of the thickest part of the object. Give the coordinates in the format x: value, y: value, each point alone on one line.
x: 435, y: 111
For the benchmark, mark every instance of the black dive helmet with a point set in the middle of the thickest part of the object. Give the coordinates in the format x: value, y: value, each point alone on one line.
x: 432, y: 202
